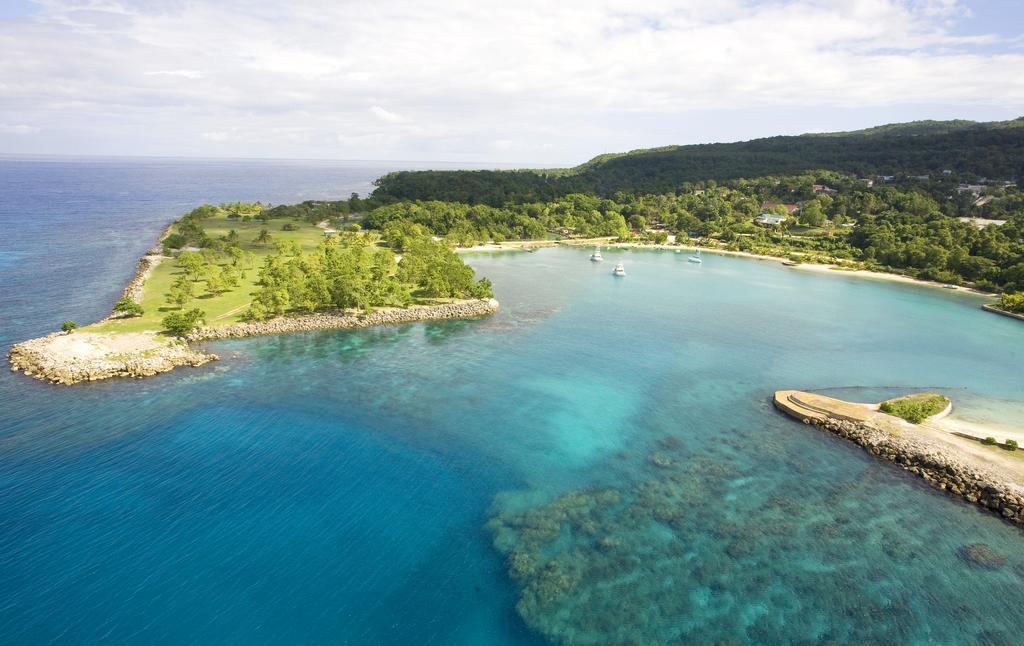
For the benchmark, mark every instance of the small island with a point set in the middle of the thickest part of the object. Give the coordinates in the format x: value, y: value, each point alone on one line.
x: 909, y: 432
x: 242, y: 269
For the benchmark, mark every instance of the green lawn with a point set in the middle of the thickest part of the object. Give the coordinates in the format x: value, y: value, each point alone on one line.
x: 917, y: 407
x: 224, y: 308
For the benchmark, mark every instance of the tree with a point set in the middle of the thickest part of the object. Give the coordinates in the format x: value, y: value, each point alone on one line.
x: 215, y: 283
x: 812, y: 215
x: 181, y: 324
x: 175, y: 241
x: 438, y: 272
x: 263, y: 238
x: 128, y: 307
x: 638, y: 223
x: 231, y: 276
x: 181, y: 292
x: 1012, y: 302
x: 68, y: 326
x: 192, y: 264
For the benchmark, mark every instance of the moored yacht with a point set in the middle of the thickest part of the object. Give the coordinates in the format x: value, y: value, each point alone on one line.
x: 596, y: 256
x: 619, y: 270
x: 696, y: 259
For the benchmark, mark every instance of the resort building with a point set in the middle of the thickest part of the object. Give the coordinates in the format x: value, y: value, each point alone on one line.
x: 771, y: 218
x: 790, y: 208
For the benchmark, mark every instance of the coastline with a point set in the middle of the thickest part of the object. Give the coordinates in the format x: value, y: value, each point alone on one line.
x: 948, y: 462
x: 74, y: 357
x: 69, y: 358
x: 832, y: 268
x: 79, y: 356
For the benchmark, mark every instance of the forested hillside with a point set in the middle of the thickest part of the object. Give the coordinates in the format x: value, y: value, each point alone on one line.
x: 968, y: 149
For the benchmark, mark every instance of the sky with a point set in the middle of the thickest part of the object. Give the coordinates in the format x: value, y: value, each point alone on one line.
x: 548, y: 82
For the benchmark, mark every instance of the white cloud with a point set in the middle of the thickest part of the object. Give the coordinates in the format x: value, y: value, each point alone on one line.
x: 460, y: 78
x: 386, y: 115
x: 188, y: 74
x: 18, y: 129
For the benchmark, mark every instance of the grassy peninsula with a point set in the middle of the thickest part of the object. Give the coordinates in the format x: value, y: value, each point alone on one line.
x: 244, y: 269
x: 242, y: 262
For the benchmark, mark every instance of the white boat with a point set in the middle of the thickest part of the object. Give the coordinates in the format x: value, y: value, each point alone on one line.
x: 697, y: 259
x: 596, y: 256
x: 619, y: 270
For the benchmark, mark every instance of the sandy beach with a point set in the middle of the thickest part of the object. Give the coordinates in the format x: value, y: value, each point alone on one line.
x: 609, y: 243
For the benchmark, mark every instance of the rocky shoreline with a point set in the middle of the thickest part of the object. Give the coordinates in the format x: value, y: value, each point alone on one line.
x: 340, y: 320
x: 147, y: 263
x: 940, y: 464
x: 75, y: 357
x: 988, y: 307
x: 71, y: 358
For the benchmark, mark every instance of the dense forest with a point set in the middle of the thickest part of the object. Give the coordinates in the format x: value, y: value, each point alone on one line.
x: 908, y: 226
x: 967, y: 149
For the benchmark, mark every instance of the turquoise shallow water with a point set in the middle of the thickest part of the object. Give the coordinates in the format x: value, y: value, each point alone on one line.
x: 375, y: 486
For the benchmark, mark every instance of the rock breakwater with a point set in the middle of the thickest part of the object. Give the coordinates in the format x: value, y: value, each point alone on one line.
x: 70, y: 358
x: 939, y: 462
x: 340, y: 320
x: 996, y: 310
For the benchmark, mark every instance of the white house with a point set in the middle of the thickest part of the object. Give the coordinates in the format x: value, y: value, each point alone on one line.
x: 771, y: 218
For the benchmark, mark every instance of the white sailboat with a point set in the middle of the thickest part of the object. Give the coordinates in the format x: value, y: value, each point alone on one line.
x: 596, y: 256
x: 620, y: 270
x: 696, y: 259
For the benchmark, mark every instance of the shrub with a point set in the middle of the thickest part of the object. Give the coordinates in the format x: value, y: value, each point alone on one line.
x: 175, y: 241
x: 991, y: 441
x: 290, y: 226
x: 1012, y: 445
x: 915, y: 408
x: 1012, y: 302
x: 128, y: 307
x: 67, y: 326
x: 180, y: 324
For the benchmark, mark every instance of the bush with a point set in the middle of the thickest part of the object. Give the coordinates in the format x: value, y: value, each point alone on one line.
x: 180, y: 324
x: 1012, y: 303
x: 1012, y: 445
x: 916, y: 408
x: 175, y: 241
x: 128, y: 307
x: 290, y: 226
x: 67, y: 326
x: 990, y: 441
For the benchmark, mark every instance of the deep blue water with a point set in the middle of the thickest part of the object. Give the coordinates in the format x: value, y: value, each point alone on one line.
x: 368, y: 486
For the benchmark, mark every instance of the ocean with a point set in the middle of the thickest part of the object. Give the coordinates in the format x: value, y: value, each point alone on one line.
x: 598, y: 462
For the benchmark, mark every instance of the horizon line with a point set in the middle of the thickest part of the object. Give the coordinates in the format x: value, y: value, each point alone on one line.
x: 89, y: 156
